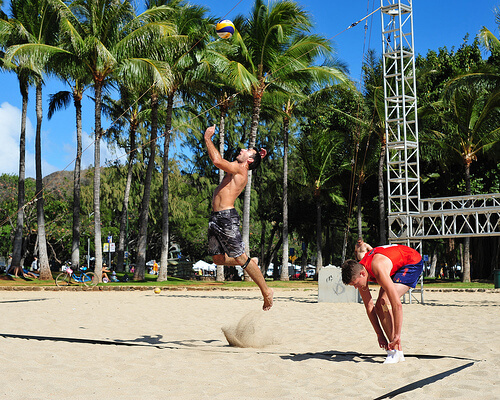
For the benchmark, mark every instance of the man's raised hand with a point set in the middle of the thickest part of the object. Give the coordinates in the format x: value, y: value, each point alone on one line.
x: 210, y: 132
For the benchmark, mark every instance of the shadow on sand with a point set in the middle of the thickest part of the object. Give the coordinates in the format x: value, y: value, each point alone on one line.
x: 143, y: 341
x: 424, y: 382
x: 339, y: 356
x: 21, y: 301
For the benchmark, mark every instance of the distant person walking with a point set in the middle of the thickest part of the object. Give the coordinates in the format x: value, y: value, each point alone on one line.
x: 34, y: 264
x: 361, y: 249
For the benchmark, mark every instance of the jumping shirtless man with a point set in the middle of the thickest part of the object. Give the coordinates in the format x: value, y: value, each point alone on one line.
x: 225, y: 243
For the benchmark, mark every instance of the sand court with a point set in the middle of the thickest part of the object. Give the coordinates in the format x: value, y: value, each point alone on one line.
x: 137, y: 344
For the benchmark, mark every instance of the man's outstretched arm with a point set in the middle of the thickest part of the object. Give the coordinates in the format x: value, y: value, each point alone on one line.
x: 372, y: 316
x: 397, y: 310
x: 214, y: 154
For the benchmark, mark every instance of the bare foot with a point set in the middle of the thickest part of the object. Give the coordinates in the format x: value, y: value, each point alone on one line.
x: 268, y: 300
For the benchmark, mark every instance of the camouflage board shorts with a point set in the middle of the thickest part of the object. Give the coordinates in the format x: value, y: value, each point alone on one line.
x: 224, y: 236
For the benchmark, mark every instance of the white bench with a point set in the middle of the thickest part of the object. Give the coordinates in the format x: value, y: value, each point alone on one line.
x: 411, y: 295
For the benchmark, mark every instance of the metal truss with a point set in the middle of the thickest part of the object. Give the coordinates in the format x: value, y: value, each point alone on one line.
x: 462, y: 216
x: 412, y: 219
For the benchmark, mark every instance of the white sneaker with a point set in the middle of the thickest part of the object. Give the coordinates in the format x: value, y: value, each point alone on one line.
x: 392, y: 357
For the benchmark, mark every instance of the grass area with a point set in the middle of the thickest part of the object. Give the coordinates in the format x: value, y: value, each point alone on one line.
x: 443, y: 283
x: 150, y: 280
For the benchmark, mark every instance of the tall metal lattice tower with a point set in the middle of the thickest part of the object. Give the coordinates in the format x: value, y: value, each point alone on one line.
x: 403, y: 174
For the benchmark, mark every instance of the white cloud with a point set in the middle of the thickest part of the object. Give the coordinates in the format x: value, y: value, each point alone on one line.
x: 109, y: 152
x: 10, y: 129
x: 62, y: 152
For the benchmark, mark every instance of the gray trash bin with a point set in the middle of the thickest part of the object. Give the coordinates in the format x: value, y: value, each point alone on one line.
x: 496, y: 278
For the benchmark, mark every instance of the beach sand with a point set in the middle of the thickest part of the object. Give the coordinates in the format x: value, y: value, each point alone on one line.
x: 141, y: 345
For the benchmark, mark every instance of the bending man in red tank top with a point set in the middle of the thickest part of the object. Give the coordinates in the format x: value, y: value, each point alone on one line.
x: 396, y: 268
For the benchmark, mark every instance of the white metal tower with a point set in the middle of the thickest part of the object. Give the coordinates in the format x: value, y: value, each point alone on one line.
x: 401, y: 126
x: 411, y: 218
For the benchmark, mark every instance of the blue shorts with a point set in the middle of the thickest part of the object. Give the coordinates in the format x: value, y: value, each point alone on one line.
x: 224, y: 236
x: 409, y: 274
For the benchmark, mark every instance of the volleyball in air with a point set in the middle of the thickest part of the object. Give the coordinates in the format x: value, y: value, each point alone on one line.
x: 224, y: 29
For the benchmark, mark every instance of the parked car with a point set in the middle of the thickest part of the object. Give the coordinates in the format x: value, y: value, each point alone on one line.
x: 295, y: 275
x: 310, y: 273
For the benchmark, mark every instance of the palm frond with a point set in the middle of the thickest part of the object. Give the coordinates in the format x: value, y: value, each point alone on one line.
x: 240, y: 77
x: 58, y: 101
x: 32, y: 55
x: 488, y: 39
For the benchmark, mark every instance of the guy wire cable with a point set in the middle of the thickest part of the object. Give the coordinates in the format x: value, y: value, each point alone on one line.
x: 352, y: 196
x: 192, y: 118
x: 113, y: 122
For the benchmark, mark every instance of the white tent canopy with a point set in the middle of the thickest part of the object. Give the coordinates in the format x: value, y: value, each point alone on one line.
x: 204, y: 266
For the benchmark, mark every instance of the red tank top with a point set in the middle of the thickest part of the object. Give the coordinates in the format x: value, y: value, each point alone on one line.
x: 400, y: 256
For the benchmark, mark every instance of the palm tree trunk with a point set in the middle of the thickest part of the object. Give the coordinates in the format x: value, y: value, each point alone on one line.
x: 126, y: 196
x: 303, y: 260
x: 18, y: 235
x: 220, y: 268
x: 97, y: 180
x: 43, y: 258
x: 75, y: 248
x: 222, y: 124
x: 165, y: 230
x: 319, y: 259
x: 328, y: 246
x: 248, y: 189
x: 284, y: 266
x: 142, y: 241
x: 344, y: 246
x: 466, y: 266
x: 359, y: 215
x: 432, y: 272
x: 381, y: 196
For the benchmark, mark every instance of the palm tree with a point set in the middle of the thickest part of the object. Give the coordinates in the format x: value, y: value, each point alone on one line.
x: 286, y: 126
x: 308, y: 78
x: 144, y: 208
x: 180, y: 53
x: 127, y: 109
x: 17, y: 253
x: 107, y: 38
x: 11, y: 33
x: 470, y: 109
x: 325, y: 148
x: 269, y: 58
x: 39, y: 21
x: 214, y: 63
x: 57, y: 101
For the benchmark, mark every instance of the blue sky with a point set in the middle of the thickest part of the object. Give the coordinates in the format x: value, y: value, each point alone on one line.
x: 436, y: 24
